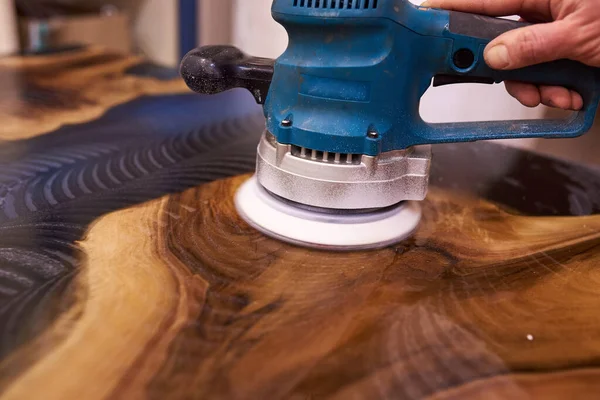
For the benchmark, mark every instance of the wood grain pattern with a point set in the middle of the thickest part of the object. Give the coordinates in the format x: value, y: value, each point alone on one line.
x: 40, y: 94
x: 125, y: 271
x: 188, y: 299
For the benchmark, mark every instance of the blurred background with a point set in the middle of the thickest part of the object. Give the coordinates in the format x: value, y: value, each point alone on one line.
x: 164, y: 30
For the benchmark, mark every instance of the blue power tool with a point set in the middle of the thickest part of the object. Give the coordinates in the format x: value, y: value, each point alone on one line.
x: 346, y: 153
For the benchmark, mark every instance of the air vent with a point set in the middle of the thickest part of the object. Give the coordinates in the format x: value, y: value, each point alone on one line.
x: 337, y: 4
x: 326, y: 157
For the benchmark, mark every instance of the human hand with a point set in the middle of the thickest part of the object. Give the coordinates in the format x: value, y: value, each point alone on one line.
x: 564, y: 29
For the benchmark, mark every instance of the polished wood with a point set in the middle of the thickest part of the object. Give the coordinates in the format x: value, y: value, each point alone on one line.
x: 39, y: 94
x: 125, y: 271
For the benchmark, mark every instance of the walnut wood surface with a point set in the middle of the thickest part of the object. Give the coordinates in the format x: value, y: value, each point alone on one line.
x: 125, y: 271
x: 39, y: 94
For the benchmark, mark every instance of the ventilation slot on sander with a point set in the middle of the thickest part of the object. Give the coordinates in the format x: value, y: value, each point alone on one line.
x: 326, y: 157
x: 337, y: 4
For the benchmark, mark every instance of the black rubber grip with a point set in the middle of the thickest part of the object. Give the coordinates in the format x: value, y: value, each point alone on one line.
x: 215, y: 69
x: 481, y: 27
x: 442, y: 80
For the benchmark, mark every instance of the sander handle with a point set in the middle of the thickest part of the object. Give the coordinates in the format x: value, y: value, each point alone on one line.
x: 215, y: 69
x: 470, y: 33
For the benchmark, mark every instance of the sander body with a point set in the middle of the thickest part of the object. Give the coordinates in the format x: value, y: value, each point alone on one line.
x: 345, y: 154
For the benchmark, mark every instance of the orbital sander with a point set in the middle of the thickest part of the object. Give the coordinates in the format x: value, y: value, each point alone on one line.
x: 345, y: 157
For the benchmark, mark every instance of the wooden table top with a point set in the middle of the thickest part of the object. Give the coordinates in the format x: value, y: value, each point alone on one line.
x: 125, y: 271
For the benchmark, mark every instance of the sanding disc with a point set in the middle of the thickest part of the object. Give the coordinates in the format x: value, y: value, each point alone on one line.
x: 325, y: 229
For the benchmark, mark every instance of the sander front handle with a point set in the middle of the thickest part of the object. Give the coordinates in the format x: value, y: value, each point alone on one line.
x: 216, y: 69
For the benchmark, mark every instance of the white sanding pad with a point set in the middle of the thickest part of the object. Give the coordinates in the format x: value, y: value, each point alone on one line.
x: 325, y: 230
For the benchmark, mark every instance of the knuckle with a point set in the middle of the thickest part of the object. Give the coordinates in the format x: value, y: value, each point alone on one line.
x: 530, y: 47
x: 585, y: 46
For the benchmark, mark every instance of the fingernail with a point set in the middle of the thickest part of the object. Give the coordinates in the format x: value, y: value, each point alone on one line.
x: 425, y: 4
x: 497, y: 57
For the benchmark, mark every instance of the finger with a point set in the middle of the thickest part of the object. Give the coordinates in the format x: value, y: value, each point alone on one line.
x: 560, y: 97
x: 577, y: 100
x: 526, y: 93
x: 495, y: 8
x: 531, y: 45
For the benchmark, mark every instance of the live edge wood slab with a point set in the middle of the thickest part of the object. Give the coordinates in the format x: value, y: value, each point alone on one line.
x: 125, y: 271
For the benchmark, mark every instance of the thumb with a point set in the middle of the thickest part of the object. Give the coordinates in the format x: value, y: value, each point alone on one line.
x: 530, y: 45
